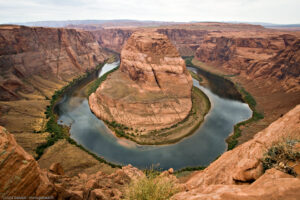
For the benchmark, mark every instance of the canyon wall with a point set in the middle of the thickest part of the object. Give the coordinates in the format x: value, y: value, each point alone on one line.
x: 46, y: 52
x: 255, y: 56
x: 112, y: 39
x: 250, y: 51
x: 185, y: 40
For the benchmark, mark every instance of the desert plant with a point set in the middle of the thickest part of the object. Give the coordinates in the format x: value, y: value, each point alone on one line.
x: 280, y: 155
x: 152, y: 187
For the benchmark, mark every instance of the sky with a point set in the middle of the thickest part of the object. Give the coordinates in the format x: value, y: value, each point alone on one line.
x: 271, y: 11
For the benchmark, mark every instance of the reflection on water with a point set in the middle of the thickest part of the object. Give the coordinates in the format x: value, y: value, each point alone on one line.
x: 201, y: 148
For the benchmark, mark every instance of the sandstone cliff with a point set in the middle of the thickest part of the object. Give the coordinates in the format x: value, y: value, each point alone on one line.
x: 112, y: 38
x: 152, y: 88
x: 186, y: 41
x: 46, y: 52
x: 186, y: 37
x: 242, y: 165
x: 255, y: 55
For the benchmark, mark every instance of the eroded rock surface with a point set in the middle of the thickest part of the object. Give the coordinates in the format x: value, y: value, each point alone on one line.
x: 21, y: 176
x: 268, y: 56
x: 242, y: 165
x: 152, y: 88
x: 44, y: 52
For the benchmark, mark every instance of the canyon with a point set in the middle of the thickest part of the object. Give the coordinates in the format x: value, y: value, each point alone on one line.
x: 36, y: 61
x: 257, y: 58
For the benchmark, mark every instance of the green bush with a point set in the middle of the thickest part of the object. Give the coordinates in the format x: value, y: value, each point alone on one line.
x: 57, y: 131
x: 280, y: 155
x: 151, y: 187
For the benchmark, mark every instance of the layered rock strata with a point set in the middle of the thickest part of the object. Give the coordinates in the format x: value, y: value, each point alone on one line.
x: 26, y: 52
x: 152, y: 88
x: 21, y: 176
x: 239, y: 174
x: 257, y: 56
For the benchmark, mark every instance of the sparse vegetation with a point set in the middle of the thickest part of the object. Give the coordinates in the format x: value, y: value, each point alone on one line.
x: 197, y: 168
x: 232, y: 140
x: 196, y: 76
x: 152, y: 187
x: 94, y: 85
x: 282, y: 156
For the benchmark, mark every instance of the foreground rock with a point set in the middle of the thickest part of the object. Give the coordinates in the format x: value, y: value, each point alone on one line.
x: 21, y: 176
x: 222, y: 179
x: 152, y: 88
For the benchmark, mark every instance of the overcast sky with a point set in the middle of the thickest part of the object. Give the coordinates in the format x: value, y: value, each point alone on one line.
x: 273, y: 11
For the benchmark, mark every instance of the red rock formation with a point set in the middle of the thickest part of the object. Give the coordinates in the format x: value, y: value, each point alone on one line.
x: 152, y: 89
x: 243, y: 165
x: 47, y: 52
x: 256, y: 55
x: 112, y: 38
x: 185, y: 40
x: 20, y: 175
x: 186, y: 37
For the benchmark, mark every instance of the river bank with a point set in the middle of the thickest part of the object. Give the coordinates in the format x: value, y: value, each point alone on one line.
x: 200, y: 148
x: 232, y: 140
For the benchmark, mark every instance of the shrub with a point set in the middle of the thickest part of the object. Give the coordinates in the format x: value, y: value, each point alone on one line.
x: 152, y: 187
x: 280, y: 156
x: 98, y: 81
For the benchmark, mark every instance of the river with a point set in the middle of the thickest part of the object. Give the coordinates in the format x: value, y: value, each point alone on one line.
x: 201, y: 148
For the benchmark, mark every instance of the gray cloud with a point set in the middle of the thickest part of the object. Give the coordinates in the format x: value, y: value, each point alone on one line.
x: 279, y: 11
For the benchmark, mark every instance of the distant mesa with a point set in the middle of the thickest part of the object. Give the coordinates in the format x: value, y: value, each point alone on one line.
x: 151, y: 90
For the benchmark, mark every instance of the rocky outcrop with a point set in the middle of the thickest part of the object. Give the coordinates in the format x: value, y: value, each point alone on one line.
x: 273, y: 184
x: 242, y: 165
x: 152, y: 88
x: 46, y: 52
x: 97, y: 186
x: 271, y: 56
x: 20, y: 175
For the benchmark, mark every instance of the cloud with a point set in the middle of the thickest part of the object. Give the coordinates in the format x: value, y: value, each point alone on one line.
x: 279, y: 11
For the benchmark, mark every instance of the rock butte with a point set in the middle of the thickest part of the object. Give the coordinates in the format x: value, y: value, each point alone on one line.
x: 152, y: 88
